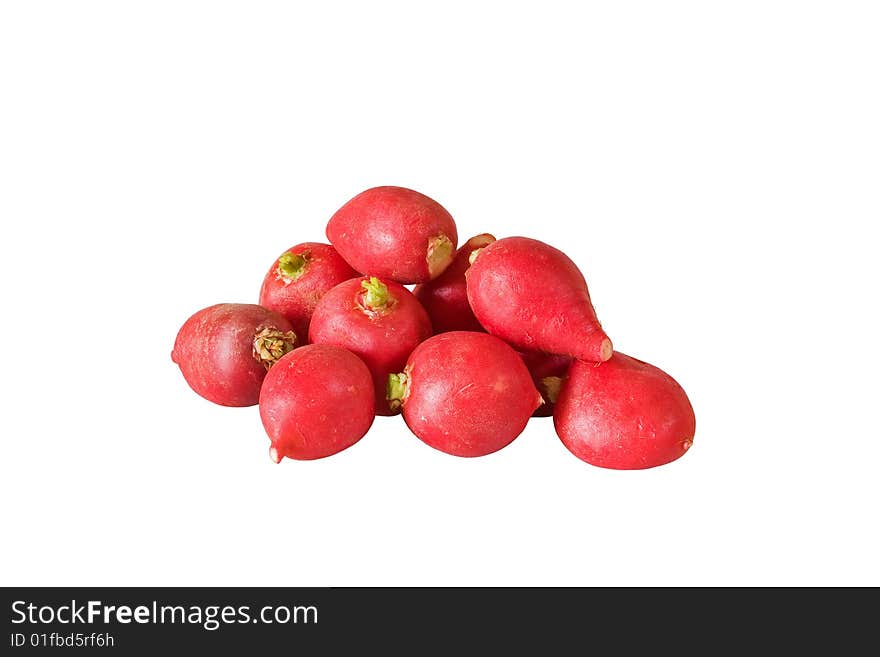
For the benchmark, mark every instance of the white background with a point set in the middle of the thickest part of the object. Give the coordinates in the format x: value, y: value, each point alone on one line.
x: 713, y: 168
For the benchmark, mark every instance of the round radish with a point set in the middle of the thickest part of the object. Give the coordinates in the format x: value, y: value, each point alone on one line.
x: 380, y: 321
x: 548, y: 372
x: 224, y: 351
x: 315, y: 402
x: 464, y: 393
x: 535, y: 298
x: 623, y: 414
x: 394, y: 233
x: 298, y: 278
x: 445, y: 298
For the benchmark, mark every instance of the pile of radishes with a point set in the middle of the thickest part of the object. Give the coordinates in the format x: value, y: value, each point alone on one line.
x: 492, y: 334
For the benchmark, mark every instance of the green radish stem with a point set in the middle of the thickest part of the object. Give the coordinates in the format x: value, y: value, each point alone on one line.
x: 397, y: 390
x: 376, y: 298
x: 292, y: 265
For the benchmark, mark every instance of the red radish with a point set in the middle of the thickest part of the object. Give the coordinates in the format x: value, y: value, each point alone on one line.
x: 224, y: 351
x: 535, y: 298
x: 378, y: 320
x: 548, y: 372
x: 464, y: 393
x: 445, y: 298
x: 316, y: 401
x: 394, y: 233
x: 298, y: 278
x: 624, y: 414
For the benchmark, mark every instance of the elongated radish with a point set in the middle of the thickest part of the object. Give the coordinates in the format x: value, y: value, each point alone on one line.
x: 535, y: 298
